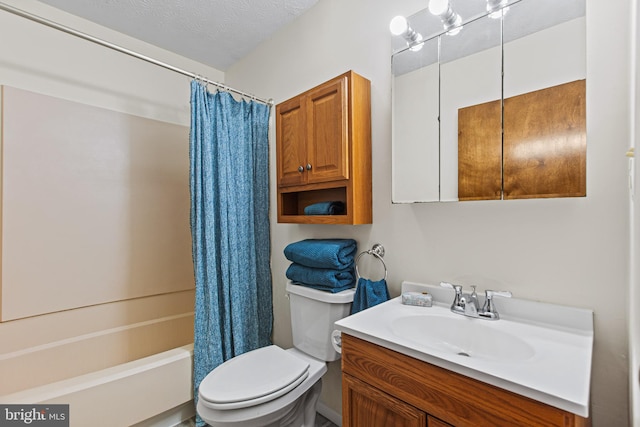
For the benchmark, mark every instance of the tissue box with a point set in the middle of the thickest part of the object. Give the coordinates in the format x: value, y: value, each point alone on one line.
x: 422, y: 299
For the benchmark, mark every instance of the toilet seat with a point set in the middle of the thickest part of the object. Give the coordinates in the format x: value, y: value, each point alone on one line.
x: 253, y: 378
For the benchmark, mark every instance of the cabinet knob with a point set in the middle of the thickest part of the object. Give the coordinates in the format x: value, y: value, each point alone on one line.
x: 300, y: 169
x: 308, y: 166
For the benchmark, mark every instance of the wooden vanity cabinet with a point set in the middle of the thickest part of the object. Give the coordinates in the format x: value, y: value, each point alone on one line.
x: 381, y: 387
x: 323, y: 151
x: 371, y: 407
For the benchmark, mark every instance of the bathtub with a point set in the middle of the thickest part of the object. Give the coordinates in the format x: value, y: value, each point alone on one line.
x: 153, y: 391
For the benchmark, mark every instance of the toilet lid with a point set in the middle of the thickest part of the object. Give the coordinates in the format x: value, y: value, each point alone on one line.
x: 252, y: 378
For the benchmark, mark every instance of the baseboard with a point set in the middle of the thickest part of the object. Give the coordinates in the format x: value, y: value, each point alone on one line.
x: 329, y: 414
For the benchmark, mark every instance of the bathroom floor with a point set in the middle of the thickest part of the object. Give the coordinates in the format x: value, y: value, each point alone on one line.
x: 320, y: 422
x: 323, y: 422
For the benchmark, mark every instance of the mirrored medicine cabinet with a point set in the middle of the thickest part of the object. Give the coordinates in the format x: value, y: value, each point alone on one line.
x: 493, y: 110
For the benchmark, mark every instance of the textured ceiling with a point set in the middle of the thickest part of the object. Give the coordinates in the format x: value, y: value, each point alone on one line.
x: 215, y: 32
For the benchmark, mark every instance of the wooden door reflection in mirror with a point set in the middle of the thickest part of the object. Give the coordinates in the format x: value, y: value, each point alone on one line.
x: 545, y: 143
x: 542, y: 152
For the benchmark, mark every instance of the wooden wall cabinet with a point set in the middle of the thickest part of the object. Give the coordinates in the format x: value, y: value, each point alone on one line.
x: 323, y: 151
x: 381, y: 387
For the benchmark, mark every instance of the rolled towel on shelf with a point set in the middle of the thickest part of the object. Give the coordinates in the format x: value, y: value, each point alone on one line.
x: 321, y: 278
x: 322, y: 253
x: 325, y: 208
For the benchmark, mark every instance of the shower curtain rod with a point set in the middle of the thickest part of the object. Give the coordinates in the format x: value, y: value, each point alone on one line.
x: 129, y: 52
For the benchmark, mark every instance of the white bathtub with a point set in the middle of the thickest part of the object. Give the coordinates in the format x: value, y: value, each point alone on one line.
x: 153, y: 391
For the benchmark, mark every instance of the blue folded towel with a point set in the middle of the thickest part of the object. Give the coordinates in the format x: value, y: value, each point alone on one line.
x: 368, y: 294
x: 325, y: 208
x: 322, y: 253
x: 331, y: 289
x: 324, y: 277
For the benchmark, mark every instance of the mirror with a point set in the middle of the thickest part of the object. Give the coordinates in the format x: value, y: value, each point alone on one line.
x: 416, y: 124
x: 470, y: 74
x: 448, y: 127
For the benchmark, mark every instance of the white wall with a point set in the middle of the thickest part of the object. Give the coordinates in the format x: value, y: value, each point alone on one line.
x: 565, y: 251
x: 48, y: 61
x: 634, y: 282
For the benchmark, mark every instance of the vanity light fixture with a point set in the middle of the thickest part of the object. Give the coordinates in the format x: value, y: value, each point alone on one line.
x: 399, y: 26
x: 450, y: 20
x: 496, y: 8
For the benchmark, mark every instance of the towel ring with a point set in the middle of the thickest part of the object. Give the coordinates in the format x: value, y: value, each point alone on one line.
x: 378, y: 252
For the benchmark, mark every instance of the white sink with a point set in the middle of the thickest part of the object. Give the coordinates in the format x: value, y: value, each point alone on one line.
x: 542, y: 351
x: 462, y: 336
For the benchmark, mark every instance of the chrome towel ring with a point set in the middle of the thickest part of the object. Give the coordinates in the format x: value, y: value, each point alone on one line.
x: 376, y: 251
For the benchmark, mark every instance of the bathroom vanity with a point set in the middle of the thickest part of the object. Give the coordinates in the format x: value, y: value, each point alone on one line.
x: 425, y: 366
x: 381, y: 387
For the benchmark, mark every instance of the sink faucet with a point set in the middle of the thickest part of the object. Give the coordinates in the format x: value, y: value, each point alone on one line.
x: 463, y: 303
x: 470, y: 303
x: 467, y: 303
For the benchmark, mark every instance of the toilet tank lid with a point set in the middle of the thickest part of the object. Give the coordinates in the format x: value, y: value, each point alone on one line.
x: 342, y: 297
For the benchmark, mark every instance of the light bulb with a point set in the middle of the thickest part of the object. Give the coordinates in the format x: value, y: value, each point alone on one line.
x: 438, y: 7
x: 398, y: 25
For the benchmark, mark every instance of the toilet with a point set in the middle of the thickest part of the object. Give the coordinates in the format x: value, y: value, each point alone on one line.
x: 272, y: 386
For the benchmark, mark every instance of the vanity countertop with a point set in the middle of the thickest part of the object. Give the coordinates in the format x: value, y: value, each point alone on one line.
x: 538, y: 350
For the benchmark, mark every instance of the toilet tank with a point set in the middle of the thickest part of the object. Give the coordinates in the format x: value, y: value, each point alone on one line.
x: 313, y: 313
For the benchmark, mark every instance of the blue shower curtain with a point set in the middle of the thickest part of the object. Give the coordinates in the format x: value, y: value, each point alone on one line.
x: 229, y: 181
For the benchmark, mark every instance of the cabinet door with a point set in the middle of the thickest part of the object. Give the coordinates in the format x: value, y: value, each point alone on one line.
x: 291, y: 142
x: 434, y: 422
x: 366, y: 406
x: 328, y: 126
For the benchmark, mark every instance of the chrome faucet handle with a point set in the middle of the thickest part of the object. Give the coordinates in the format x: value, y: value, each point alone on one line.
x: 490, y: 294
x: 457, y: 305
x: 489, y: 309
x: 457, y: 288
x: 447, y: 285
